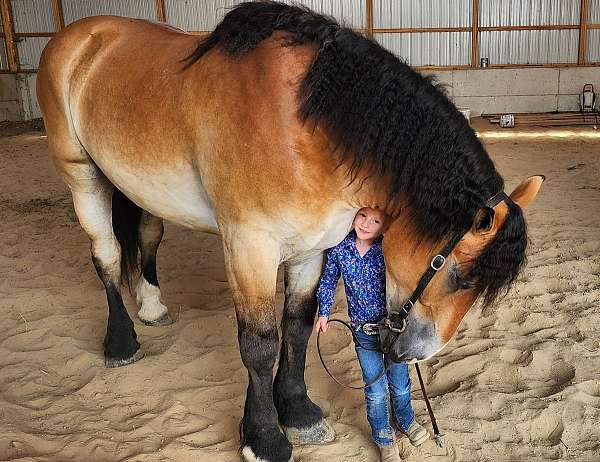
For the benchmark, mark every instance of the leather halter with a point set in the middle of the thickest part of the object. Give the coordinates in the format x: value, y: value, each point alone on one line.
x: 396, y: 321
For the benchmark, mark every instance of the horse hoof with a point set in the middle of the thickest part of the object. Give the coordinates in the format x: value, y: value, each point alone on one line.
x: 249, y: 456
x: 165, y: 320
x: 112, y: 362
x: 319, y: 433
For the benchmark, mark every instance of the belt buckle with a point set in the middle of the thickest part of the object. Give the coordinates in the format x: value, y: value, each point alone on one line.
x: 370, y: 328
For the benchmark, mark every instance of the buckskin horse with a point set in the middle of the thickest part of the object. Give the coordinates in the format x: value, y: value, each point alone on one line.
x: 273, y: 131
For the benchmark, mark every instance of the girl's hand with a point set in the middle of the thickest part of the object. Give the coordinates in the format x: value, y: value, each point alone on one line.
x: 321, y: 325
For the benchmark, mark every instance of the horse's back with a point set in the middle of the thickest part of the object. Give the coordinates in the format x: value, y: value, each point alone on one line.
x: 220, y: 138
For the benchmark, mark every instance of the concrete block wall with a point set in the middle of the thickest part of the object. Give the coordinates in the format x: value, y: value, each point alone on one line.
x: 10, y: 98
x: 481, y: 90
x: 518, y: 90
x: 30, y: 106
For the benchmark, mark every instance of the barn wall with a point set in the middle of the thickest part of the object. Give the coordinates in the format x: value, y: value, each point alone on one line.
x: 518, y: 90
x: 10, y: 99
x: 482, y: 90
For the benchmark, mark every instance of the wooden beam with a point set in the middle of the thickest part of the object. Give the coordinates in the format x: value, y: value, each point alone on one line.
x: 547, y: 27
x: 475, y: 34
x: 583, y: 25
x: 9, y: 35
x: 416, y: 30
x: 369, y: 14
x: 35, y: 34
x: 161, y: 12
x: 59, y: 17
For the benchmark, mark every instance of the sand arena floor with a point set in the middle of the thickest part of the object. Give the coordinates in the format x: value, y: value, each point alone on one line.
x: 520, y: 382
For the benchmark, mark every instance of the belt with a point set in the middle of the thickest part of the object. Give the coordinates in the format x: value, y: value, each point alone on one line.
x: 369, y: 328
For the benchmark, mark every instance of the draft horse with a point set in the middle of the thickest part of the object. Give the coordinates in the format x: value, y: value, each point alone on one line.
x: 272, y: 132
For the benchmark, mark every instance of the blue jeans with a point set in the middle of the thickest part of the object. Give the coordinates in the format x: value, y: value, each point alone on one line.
x: 396, y: 383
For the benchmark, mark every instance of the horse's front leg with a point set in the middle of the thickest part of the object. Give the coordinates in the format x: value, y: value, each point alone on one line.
x: 301, y: 419
x: 251, y: 262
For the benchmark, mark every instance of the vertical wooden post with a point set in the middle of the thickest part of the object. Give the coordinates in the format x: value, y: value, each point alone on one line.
x: 59, y: 17
x: 475, y: 34
x: 9, y: 35
x: 161, y: 14
x: 369, y: 14
x: 583, y: 23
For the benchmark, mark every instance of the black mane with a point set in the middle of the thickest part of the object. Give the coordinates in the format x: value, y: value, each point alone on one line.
x: 388, y: 120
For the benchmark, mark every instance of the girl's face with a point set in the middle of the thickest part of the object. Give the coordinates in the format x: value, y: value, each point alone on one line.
x: 368, y: 223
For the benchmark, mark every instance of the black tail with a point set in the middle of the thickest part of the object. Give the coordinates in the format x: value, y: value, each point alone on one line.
x: 126, y: 218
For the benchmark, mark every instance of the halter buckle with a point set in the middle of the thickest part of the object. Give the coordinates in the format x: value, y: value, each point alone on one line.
x: 438, y: 262
x: 392, y: 325
x: 408, y: 305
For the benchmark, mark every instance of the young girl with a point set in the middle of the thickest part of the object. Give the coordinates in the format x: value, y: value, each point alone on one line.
x: 359, y: 259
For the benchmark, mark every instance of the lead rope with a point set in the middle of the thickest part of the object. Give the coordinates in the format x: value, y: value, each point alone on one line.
x: 361, y: 345
x: 439, y: 437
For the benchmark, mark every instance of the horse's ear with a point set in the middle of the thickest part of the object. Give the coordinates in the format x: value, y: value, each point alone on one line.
x: 525, y: 193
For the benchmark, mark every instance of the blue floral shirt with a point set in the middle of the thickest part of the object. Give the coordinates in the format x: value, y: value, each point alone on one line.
x: 364, y: 280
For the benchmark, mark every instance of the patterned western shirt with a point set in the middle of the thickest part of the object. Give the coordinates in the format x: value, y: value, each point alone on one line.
x: 364, y: 280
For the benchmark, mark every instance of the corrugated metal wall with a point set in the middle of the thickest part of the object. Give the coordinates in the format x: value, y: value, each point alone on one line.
x: 30, y: 48
x: 204, y: 15
x: 77, y: 9
x: 592, y: 54
x: 431, y: 48
x: 529, y: 46
x: 196, y: 15
x: 389, y: 14
x: 528, y: 12
x: 427, y: 48
x: 350, y: 12
x: 594, y: 12
x: 33, y: 16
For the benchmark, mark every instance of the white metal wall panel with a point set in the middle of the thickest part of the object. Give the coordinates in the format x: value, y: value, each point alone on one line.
x: 197, y: 15
x: 33, y: 16
x: 77, y: 9
x: 592, y: 53
x: 350, y: 13
x: 529, y: 46
x: 204, y: 15
x: 594, y: 12
x: 528, y: 12
x: 429, y: 48
x: 389, y: 14
x: 30, y: 50
x: 3, y: 58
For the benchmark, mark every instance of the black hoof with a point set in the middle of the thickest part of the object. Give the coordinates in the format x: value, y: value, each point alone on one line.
x: 165, y: 320
x: 114, y: 362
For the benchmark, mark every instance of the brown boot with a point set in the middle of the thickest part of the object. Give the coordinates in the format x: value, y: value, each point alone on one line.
x: 417, y: 434
x: 389, y: 453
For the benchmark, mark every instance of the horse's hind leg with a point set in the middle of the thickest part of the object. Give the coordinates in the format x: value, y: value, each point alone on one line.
x: 301, y: 419
x: 147, y: 293
x: 93, y: 204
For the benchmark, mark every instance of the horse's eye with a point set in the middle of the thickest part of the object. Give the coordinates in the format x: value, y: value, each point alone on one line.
x: 458, y: 281
x: 483, y: 220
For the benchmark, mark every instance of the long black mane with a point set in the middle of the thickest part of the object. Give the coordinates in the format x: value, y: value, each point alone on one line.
x: 388, y: 120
